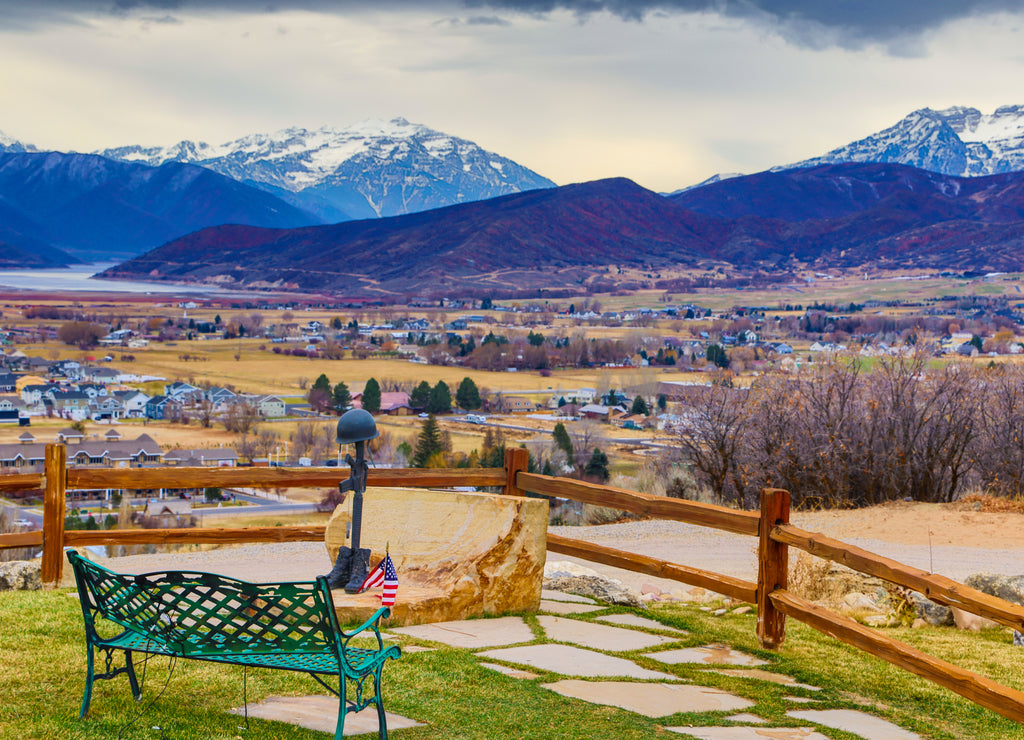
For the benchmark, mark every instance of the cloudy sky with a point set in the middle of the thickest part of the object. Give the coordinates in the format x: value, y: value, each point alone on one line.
x: 666, y: 93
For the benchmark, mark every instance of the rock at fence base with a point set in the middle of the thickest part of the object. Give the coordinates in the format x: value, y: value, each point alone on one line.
x: 934, y: 614
x: 967, y: 621
x: 743, y: 610
x: 919, y: 623
x: 1008, y: 588
x: 19, y: 575
x: 858, y: 600
x: 595, y: 587
x: 650, y: 588
x: 1018, y: 638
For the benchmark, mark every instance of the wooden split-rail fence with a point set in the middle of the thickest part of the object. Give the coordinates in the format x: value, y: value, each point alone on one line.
x: 770, y: 525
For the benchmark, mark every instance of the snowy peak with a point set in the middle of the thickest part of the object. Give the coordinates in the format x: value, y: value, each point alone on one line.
x: 370, y: 169
x: 7, y: 144
x: 957, y: 141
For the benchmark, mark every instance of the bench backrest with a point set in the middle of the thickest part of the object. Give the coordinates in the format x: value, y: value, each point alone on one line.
x: 196, y: 613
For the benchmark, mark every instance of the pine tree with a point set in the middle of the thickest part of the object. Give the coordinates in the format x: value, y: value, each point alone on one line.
x: 563, y: 441
x: 322, y: 384
x: 639, y: 406
x: 440, y: 399
x: 662, y: 402
x: 468, y: 395
x: 597, y: 466
x: 341, y: 398
x: 420, y: 395
x: 371, y: 396
x: 428, y: 443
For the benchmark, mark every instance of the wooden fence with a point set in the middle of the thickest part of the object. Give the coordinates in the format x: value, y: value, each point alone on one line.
x: 770, y: 525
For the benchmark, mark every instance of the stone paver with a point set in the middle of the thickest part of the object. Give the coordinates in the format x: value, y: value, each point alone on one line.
x: 573, y: 661
x: 632, y: 620
x: 472, y: 634
x: 552, y: 595
x: 778, y: 678
x: 598, y: 636
x: 651, y: 699
x: 865, y: 725
x: 514, y: 672
x: 714, y: 654
x: 749, y: 733
x: 568, y: 607
x: 321, y: 713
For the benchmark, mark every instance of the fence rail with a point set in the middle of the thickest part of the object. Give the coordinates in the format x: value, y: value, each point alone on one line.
x: 771, y: 526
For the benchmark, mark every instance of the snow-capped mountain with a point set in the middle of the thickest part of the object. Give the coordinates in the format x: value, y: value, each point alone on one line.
x: 371, y: 169
x: 956, y: 141
x: 7, y: 144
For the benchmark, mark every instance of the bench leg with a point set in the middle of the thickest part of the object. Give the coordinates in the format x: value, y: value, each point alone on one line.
x: 380, y: 703
x: 133, y: 682
x: 89, y: 672
x: 342, y: 710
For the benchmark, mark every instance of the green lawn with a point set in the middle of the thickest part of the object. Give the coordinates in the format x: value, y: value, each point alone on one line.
x: 42, y: 665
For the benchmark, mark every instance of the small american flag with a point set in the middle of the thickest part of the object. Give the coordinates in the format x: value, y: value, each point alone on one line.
x: 383, y: 575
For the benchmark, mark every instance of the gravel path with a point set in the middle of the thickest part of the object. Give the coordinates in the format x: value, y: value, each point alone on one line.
x: 677, y: 542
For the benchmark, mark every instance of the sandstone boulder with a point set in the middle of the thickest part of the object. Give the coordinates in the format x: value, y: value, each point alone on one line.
x: 457, y: 554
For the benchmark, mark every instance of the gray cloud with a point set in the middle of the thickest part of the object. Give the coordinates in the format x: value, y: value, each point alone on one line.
x: 805, y: 22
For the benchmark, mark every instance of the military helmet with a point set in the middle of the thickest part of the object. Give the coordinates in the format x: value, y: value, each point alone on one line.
x: 356, y: 425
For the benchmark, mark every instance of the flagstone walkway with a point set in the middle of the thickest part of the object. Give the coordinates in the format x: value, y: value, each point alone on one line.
x: 581, y: 664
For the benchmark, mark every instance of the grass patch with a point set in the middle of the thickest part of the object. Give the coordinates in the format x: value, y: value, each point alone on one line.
x: 42, y: 668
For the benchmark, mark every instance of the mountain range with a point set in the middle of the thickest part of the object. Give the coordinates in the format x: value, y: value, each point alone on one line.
x: 65, y: 208
x: 956, y: 141
x: 846, y: 215
x: 369, y: 170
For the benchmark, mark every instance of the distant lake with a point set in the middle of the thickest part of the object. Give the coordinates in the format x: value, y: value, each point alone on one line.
x: 79, y: 278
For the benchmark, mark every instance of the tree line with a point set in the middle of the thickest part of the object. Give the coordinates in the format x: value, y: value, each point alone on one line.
x: 841, y: 435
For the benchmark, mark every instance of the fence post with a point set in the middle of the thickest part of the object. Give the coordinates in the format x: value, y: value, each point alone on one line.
x: 772, y: 568
x: 56, y: 476
x: 516, y: 459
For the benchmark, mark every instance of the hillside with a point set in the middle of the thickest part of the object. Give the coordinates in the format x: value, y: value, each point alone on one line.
x: 543, y: 237
x: 97, y: 208
x: 850, y: 215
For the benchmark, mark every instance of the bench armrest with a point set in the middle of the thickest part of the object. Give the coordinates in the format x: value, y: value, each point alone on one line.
x: 370, y: 624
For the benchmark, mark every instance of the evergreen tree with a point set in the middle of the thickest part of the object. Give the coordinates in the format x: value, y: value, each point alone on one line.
x: 639, y: 406
x: 662, y: 402
x: 420, y: 395
x: 322, y: 383
x: 371, y: 396
x: 428, y: 443
x: 716, y: 354
x: 468, y: 395
x: 597, y: 466
x: 341, y: 398
x: 440, y: 400
x: 563, y: 441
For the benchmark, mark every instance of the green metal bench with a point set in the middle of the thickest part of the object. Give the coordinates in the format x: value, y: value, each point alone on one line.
x: 203, y: 616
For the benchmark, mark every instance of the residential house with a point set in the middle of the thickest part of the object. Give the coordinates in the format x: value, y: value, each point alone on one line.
x: 183, y: 392
x: 392, y: 403
x: 595, y: 411
x: 8, y: 382
x: 69, y: 404
x: 162, y: 407
x: 103, y: 408
x: 9, y: 413
x: 270, y: 407
x: 133, y: 403
x: 218, y: 457
x: 101, y: 375
x: 519, y: 405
